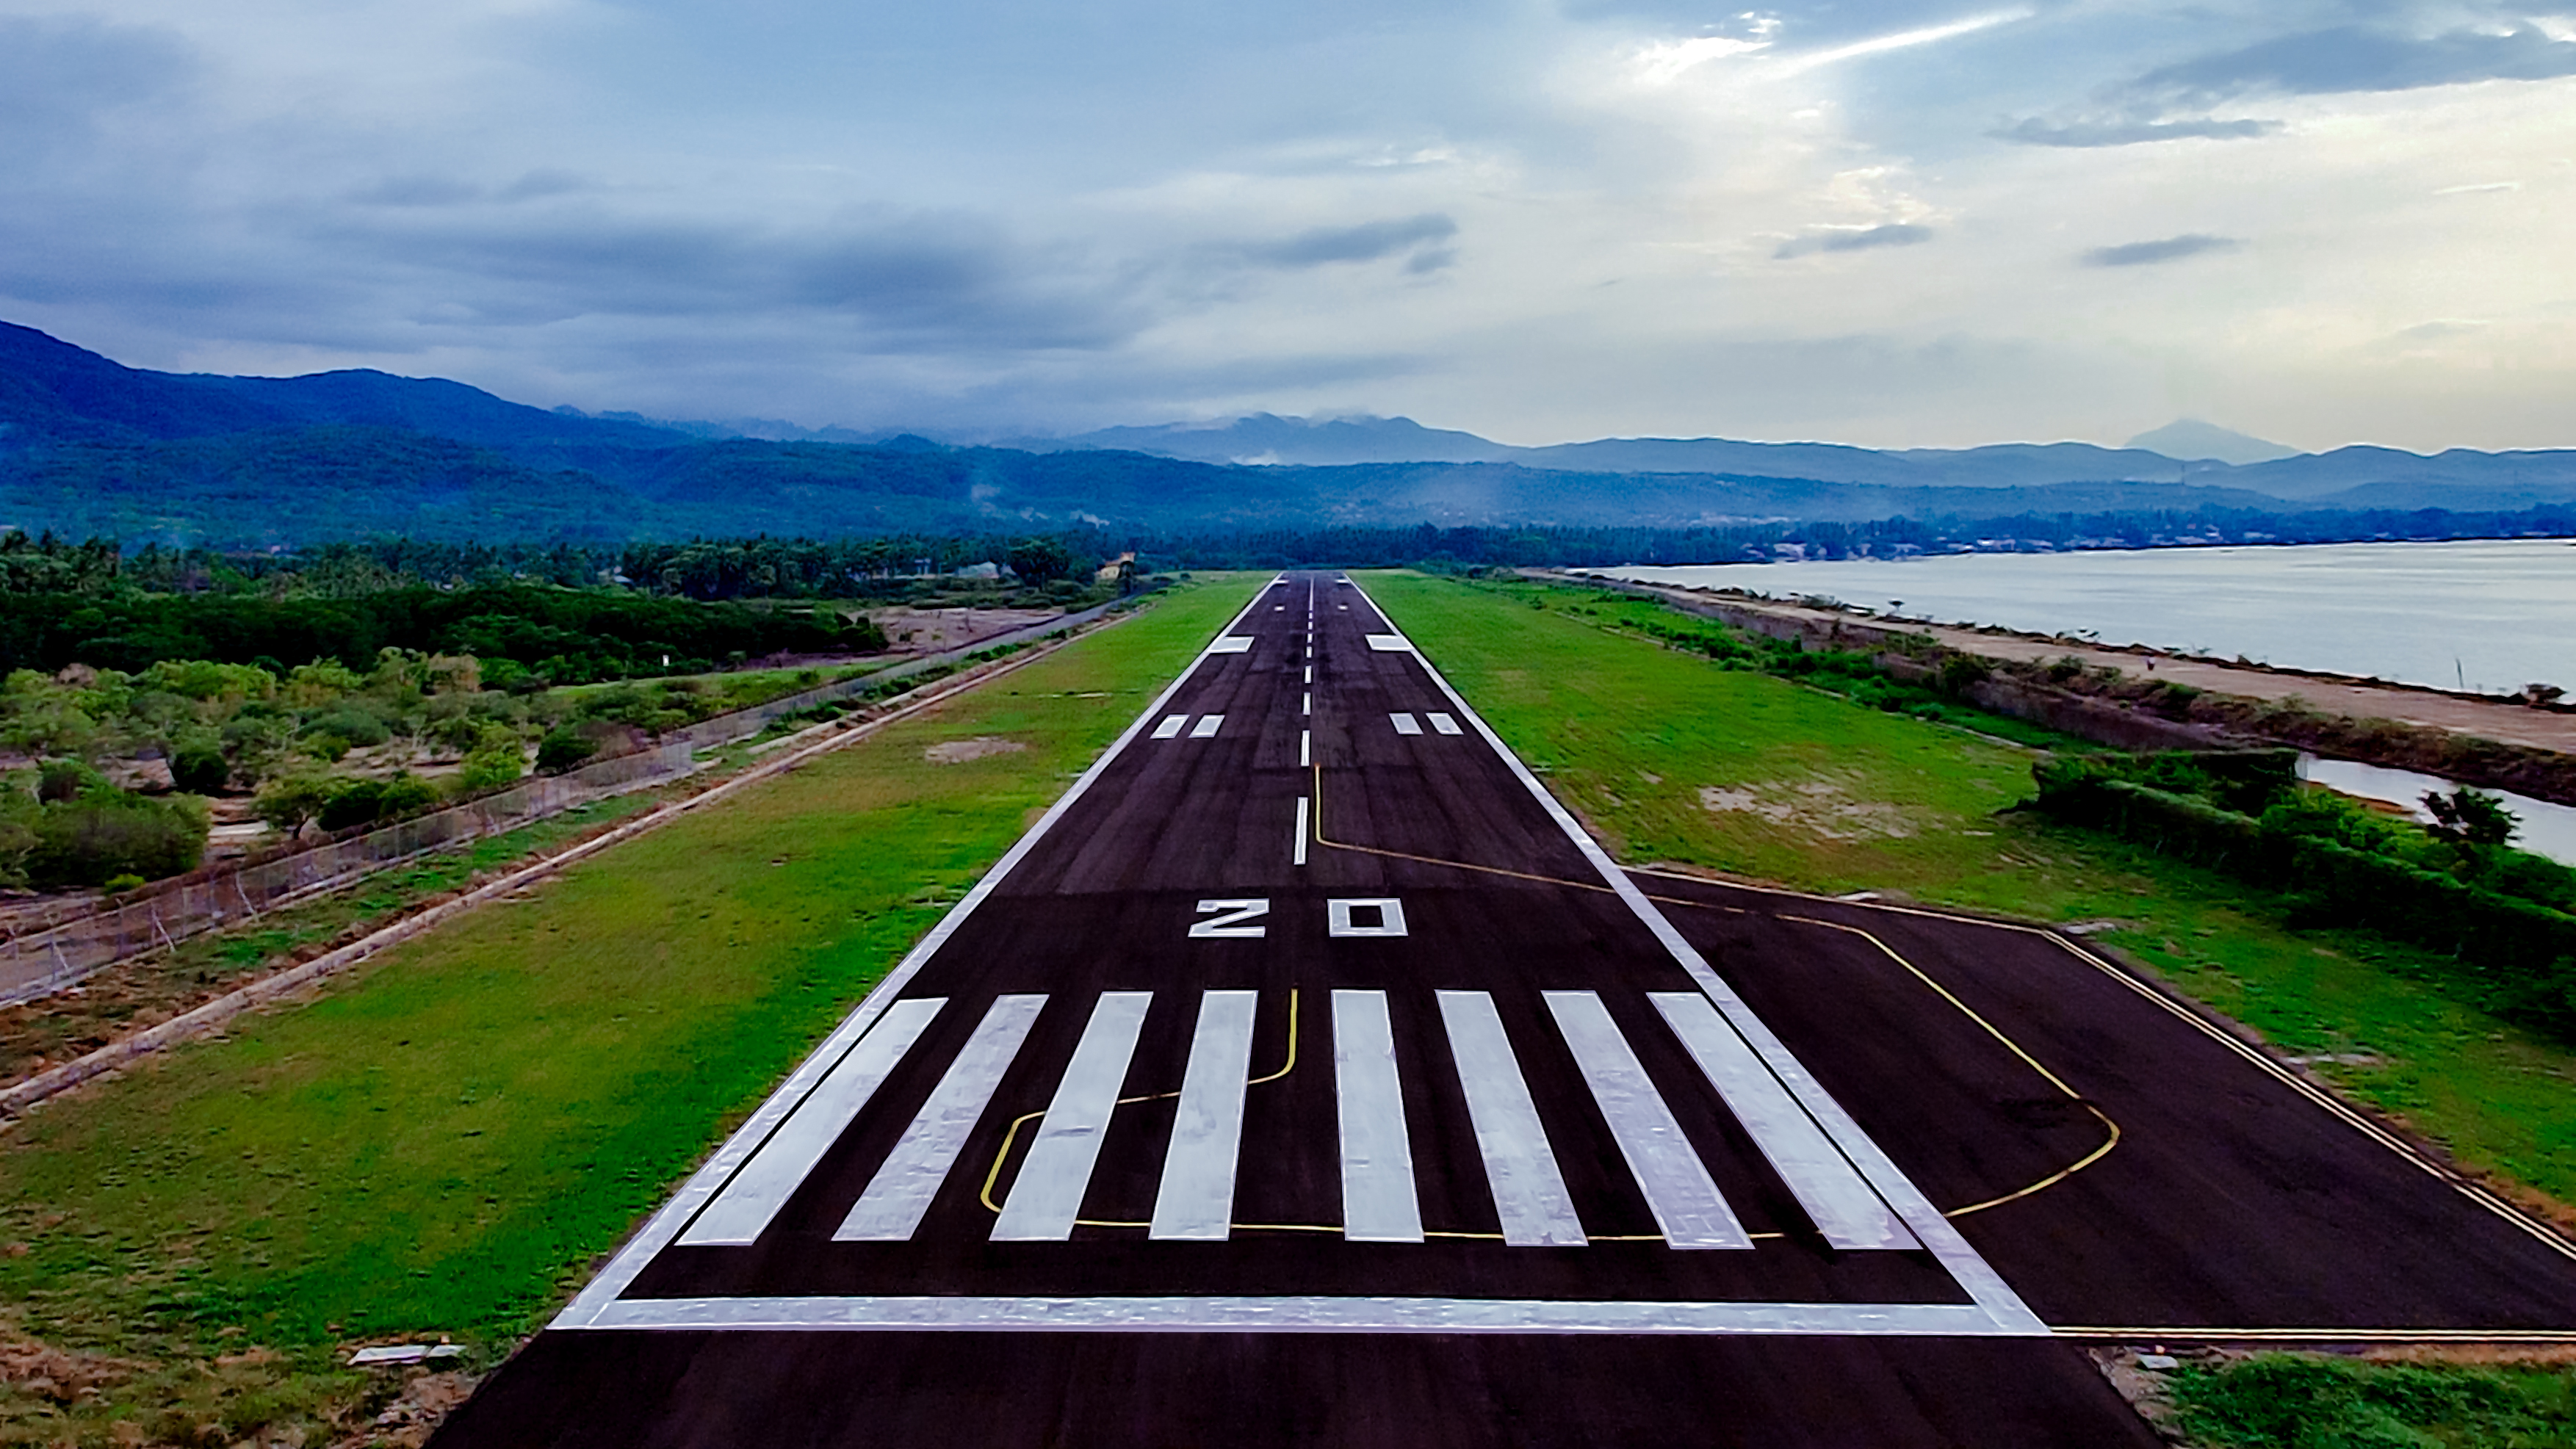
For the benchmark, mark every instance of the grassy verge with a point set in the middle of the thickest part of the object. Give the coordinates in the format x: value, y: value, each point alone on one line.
x: 151, y: 989
x: 2289, y: 1401
x: 1673, y: 758
x: 447, y: 1139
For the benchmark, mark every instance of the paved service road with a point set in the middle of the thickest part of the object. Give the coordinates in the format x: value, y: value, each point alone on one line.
x: 1307, y: 1076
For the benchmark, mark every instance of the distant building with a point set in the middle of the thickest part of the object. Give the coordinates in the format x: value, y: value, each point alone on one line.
x: 985, y: 570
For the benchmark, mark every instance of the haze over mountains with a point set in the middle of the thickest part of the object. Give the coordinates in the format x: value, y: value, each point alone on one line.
x: 90, y: 446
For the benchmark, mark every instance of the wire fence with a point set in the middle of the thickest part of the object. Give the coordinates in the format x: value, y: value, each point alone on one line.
x: 39, y: 963
x: 47, y: 955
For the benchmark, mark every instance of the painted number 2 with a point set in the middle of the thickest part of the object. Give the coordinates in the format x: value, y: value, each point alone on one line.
x: 1358, y: 916
x: 1234, y: 920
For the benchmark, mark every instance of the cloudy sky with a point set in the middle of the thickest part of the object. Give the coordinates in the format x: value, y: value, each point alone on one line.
x: 1893, y: 222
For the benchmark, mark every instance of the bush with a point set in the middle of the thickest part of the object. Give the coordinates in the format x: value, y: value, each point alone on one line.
x: 352, y: 724
x: 2515, y: 956
x: 562, y: 748
x: 61, y: 780
x: 364, y: 802
x: 288, y: 801
x: 105, y: 834
x: 200, y: 770
x: 490, y: 768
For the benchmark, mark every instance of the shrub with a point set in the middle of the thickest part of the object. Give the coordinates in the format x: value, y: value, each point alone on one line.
x: 60, y: 780
x: 364, y: 802
x: 288, y: 801
x: 109, y: 833
x: 562, y: 748
x: 492, y: 766
x: 200, y: 770
x: 119, y: 884
x: 352, y: 724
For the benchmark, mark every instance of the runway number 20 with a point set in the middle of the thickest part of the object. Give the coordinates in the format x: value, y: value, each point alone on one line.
x: 1238, y: 920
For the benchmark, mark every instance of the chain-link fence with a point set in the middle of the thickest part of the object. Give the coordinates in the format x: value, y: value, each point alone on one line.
x: 45, y: 956
x: 38, y: 963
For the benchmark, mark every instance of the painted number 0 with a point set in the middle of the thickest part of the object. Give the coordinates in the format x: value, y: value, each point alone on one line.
x: 1360, y: 916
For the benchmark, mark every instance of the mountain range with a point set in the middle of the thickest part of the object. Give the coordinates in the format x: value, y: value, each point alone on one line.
x: 89, y: 446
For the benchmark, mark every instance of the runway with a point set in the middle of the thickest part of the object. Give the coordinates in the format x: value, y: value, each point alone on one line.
x: 1308, y: 1076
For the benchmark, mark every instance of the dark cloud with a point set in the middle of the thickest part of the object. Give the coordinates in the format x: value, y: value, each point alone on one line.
x: 58, y: 77
x: 1895, y: 234
x: 2148, y: 253
x: 418, y: 191
x: 2160, y: 105
x: 1366, y: 243
x: 2035, y: 132
x: 2357, y: 58
x: 543, y: 182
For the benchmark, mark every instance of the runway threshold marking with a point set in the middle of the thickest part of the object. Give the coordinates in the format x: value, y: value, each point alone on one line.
x: 737, y: 1217
x: 1676, y: 1184
x: 1046, y: 1198
x: 1196, y: 1200
x: 1207, y: 726
x: 892, y: 1207
x: 1520, y: 1167
x: 1378, y: 1200
x: 1172, y: 724
x: 1405, y: 724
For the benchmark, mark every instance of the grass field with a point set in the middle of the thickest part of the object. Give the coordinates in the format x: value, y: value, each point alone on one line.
x: 1674, y: 759
x: 449, y: 1137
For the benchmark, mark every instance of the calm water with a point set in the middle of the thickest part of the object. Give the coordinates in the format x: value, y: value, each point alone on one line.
x: 2493, y: 615
x: 2547, y: 829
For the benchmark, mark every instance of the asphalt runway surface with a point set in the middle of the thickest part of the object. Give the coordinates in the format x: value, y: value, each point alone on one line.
x: 1307, y: 1076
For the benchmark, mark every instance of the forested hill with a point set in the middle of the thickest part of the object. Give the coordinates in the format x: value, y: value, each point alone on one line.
x: 90, y: 447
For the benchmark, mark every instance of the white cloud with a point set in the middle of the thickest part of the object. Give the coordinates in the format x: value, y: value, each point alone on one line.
x: 1536, y: 222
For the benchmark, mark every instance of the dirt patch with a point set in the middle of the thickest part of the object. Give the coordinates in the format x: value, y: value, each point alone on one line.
x: 958, y: 752
x: 415, y: 1413
x: 1820, y: 807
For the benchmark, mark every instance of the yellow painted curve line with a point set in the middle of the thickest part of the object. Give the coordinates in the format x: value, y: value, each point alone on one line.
x: 2087, y: 1160
x: 1315, y: 818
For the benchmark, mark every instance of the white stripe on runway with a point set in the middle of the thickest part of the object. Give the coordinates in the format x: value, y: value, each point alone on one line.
x: 1389, y: 643
x: 1309, y: 706
x: 1686, y: 1202
x: 1232, y: 644
x: 1444, y: 723
x: 1196, y: 1200
x: 1302, y: 806
x: 1047, y: 1195
x: 1405, y: 724
x: 1170, y: 726
x: 1529, y: 1192
x: 1310, y: 675
x: 1305, y: 748
x: 1378, y: 1202
x: 1845, y: 1209
x: 1206, y: 726
x: 739, y: 1213
x: 896, y: 1198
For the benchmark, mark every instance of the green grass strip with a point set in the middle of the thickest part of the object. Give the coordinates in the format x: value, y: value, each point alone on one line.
x: 449, y: 1138
x: 1673, y: 758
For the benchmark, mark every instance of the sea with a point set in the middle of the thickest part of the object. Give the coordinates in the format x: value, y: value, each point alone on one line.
x: 2489, y: 615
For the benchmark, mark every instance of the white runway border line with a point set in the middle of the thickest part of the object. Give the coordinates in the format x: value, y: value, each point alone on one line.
x: 1994, y: 1312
